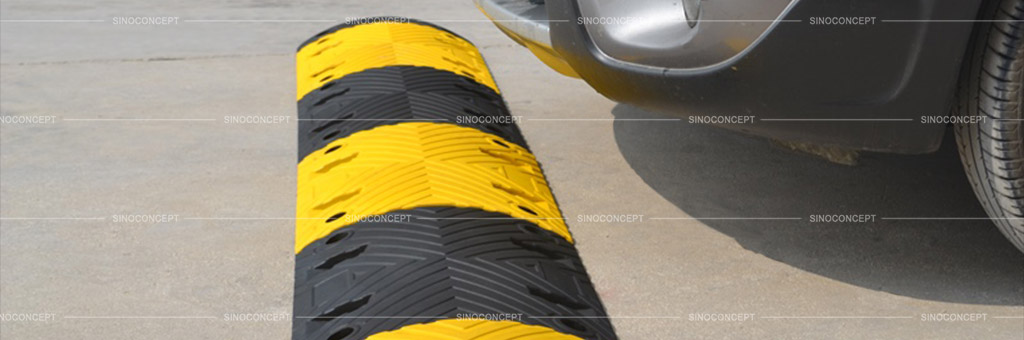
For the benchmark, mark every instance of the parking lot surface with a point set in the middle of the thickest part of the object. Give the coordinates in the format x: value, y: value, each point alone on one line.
x: 725, y: 231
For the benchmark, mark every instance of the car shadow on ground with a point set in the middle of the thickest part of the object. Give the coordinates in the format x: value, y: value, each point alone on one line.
x: 711, y: 172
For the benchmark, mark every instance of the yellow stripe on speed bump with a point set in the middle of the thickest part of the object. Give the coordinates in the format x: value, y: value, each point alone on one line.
x: 472, y: 330
x: 412, y: 165
x: 381, y: 44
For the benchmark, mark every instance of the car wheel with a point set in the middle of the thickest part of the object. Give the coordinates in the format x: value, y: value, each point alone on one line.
x: 992, y: 150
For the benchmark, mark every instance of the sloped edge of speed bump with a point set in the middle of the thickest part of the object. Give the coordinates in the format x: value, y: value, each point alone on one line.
x: 411, y: 165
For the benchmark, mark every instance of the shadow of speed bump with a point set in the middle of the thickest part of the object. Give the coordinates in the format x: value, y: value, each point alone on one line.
x: 419, y: 224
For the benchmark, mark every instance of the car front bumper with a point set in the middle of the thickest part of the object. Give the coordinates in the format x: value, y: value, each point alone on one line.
x: 859, y: 86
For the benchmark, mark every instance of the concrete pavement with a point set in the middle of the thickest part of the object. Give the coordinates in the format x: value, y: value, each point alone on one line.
x: 140, y: 131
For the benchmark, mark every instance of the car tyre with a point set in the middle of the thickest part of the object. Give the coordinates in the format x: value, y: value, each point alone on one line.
x: 992, y: 150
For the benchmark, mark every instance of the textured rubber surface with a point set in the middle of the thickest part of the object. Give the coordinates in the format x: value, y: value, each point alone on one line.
x: 361, y: 47
x: 472, y: 330
x: 413, y: 165
x: 993, y: 151
x: 396, y: 94
x: 427, y: 264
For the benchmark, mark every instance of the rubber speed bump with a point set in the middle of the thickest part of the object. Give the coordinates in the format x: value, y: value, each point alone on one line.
x: 421, y: 212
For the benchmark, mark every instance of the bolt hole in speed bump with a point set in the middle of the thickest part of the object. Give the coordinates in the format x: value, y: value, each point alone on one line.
x: 416, y: 218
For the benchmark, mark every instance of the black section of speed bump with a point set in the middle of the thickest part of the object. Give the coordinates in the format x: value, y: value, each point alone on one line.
x: 371, y: 20
x: 434, y: 263
x: 398, y: 94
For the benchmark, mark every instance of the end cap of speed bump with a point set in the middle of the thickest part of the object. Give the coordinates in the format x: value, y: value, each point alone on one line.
x: 355, y: 48
x: 368, y: 20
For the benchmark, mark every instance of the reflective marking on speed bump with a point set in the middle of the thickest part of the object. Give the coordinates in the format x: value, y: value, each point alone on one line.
x: 379, y: 44
x: 472, y: 330
x: 412, y: 165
